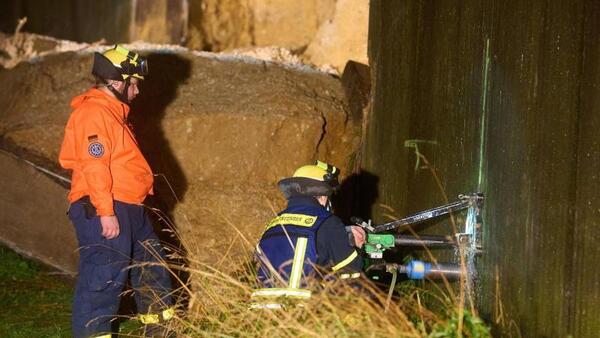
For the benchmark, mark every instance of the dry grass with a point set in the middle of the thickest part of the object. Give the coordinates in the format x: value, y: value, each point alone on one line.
x: 215, y: 302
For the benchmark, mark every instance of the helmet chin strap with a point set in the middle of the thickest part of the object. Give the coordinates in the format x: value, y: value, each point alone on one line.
x: 328, y: 206
x: 121, y: 96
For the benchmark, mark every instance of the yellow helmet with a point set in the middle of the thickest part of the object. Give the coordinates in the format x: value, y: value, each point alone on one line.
x: 119, y: 64
x: 319, y: 179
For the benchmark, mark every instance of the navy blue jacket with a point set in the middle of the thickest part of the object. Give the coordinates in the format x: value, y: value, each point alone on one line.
x: 327, y: 242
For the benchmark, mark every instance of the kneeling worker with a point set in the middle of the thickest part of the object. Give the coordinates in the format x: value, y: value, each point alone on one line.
x: 306, y: 235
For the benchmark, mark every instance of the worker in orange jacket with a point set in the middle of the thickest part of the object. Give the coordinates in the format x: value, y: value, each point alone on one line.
x: 110, y: 181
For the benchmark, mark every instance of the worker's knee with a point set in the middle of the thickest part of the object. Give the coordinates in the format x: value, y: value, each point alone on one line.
x: 103, y: 269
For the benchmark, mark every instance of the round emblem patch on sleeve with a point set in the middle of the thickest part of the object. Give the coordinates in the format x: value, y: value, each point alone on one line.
x: 96, y: 149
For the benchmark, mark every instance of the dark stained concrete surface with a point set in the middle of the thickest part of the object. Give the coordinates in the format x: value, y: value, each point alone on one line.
x: 116, y: 21
x: 85, y: 21
x: 500, y: 97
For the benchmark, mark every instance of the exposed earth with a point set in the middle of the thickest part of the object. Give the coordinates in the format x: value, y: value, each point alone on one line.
x: 222, y: 128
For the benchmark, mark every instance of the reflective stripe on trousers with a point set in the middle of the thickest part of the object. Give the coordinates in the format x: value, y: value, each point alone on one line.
x: 155, y: 318
x: 350, y: 275
x: 293, y: 290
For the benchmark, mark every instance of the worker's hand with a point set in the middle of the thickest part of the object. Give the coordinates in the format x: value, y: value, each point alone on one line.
x: 359, y: 236
x: 110, y: 226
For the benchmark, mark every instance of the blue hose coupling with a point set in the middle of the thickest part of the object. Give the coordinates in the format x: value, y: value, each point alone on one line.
x: 417, y: 269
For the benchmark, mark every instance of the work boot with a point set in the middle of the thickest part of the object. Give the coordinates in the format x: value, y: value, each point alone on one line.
x: 156, y: 324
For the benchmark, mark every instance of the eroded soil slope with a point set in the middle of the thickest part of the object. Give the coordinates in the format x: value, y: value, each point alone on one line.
x: 222, y: 129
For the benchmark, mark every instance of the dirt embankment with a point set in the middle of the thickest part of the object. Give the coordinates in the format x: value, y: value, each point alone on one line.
x: 324, y: 32
x: 222, y: 129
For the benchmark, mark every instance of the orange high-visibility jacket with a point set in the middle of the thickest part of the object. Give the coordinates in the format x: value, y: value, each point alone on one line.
x: 102, y: 152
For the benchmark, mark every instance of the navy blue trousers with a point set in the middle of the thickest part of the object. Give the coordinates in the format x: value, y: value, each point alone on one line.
x: 105, y: 265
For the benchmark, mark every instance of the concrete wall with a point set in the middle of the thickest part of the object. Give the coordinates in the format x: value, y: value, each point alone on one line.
x: 90, y: 21
x: 33, y: 214
x: 508, y: 93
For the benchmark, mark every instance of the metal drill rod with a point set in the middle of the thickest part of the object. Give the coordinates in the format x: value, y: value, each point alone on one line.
x: 449, y: 271
x: 424, y: 241
x: 423, y: 215
x: 434, y: 271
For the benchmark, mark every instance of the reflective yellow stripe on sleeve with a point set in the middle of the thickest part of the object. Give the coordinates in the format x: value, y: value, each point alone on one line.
x: 298, y: 263
x: 345, y: 262
x: 350, y: 275
x: 103, y: 336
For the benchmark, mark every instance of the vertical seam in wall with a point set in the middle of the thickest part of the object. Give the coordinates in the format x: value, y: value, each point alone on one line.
x: 486, y: 295
x: 414, y: 72
x: 572, y: 278
x: 530, y: 319
x: 185, y: 19
x: 482, y: 139
x: 132, y: 23
x: 483, y: 125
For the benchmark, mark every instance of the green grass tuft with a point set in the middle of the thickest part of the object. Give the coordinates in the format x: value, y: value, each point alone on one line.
x: 32, y: 302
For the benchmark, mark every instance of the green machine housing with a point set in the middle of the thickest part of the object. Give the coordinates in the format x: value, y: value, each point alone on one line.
x: 376, y: 244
